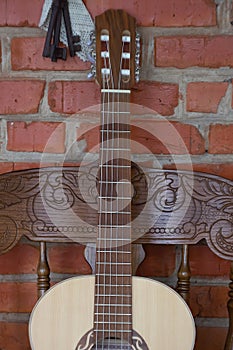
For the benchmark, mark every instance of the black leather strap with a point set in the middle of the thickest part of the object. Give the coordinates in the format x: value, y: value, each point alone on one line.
x: 51, y: 48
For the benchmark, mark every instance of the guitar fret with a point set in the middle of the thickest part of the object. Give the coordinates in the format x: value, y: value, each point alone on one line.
x: 114, y: 149
x: 115, y: 330
x: 113, y: 295
x: 107, y: 322
x: 111, y: 263
x: 115, y: 131
x: 115, y: 252
x: 111, y: 314
x: 114, y: 212
x: 112, y: 197
x: 115, y: 304
x: 114, y: 166
x: 113, y: 239
x: 115, y: 226
x: 114, y: 275
x: 115, y: 112
x: 113, y: 285
x: 114, y: 182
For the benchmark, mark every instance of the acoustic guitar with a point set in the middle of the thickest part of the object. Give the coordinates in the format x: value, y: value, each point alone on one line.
x: 113, y: 309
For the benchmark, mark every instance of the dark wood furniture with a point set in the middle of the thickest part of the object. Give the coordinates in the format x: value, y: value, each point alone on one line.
x: 168, y: 207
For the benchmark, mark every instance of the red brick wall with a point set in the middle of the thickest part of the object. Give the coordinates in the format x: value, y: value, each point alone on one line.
x: 186, y: 77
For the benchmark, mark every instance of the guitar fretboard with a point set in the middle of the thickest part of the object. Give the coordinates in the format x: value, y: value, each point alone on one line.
x: 113, y: 289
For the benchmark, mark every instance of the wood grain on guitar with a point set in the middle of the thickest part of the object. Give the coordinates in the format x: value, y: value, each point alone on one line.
x: 113, y: 310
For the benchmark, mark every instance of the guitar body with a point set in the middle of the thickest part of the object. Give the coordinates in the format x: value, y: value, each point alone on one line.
x: 161, y: 318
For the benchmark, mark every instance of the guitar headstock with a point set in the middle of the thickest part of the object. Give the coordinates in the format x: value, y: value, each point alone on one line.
x: 117, y: 50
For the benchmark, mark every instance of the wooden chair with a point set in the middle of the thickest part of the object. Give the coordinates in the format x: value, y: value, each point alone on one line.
x: 168, y: 207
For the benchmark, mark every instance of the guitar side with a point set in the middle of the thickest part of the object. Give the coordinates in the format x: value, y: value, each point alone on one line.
x: 65, y: 314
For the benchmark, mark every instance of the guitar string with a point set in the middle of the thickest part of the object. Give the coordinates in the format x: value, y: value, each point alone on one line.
x: 110, y: 119
x: 98, y: 245
x: 117, y: 177
x: 122, y: 105
x: 106, y: 215
x: 128, y: 172
x: 121, y: 282
x: 100, y: 230
x: 100, y: 242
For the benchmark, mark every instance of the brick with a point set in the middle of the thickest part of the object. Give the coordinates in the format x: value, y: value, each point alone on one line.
x: 210, y: 338
x: 24, y: 165
x: 163, y: 137
x: 203, y: 262
x: 26, y: 54
x: 68, y: 259
x: 23, y: 258
x: 160, y: 97
x: 154, y: 263
x: 20, y: 13
x: 220, y: 169
x: 201, y: 51
x: 28, y: 165
x: 17, y: 297
x: 3, y: 11
x: 209, y: 301
x: 220, y: 139
x: 20, y: 97
x: 72, y: 97
x: 36, y: 137
x: 14, y: 336
x: 5, y: 167
x: 152, y: 136
x: 167, y: 13
x: 205, y: 96
x: 91, y: 134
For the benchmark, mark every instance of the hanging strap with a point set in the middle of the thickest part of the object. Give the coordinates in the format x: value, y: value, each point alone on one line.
x: 72, y: 28
x: 52, y: 48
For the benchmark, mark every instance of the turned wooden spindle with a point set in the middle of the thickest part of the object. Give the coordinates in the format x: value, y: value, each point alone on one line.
x: 184, y: 274
x: 43, y: 271
x: 229, y: 339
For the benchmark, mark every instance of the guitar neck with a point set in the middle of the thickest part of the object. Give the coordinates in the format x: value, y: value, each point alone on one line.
x: 113, y: 297
x: 115, y: 72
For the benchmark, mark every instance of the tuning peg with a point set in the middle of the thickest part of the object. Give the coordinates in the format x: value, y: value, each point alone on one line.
x: 137, y: 57
x: 92, y: 72
x: 137, y: 75
x: 90, y: 75
x: 92, y: 35
x: 91, y: 40
x: 91, y: 58
x: 138, y: 44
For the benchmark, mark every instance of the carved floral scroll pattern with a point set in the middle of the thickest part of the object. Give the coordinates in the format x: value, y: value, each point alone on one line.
x: 183, y: 207
x: 14, y: 189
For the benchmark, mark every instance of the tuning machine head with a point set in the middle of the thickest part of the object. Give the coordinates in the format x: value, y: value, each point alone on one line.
x: 92, y: 72
x: 137, y: 57
x: 92, y: 55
